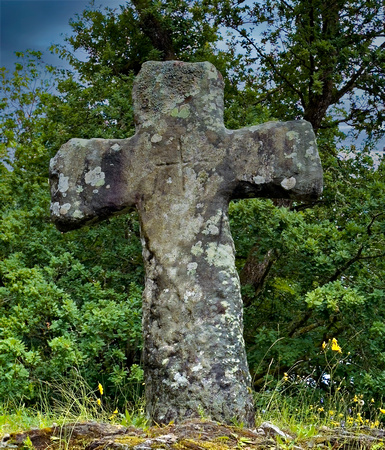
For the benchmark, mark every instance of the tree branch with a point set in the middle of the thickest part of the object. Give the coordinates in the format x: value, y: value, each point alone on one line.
x: 346, y: 266
x: 270, y: 63
x: 352, y: 82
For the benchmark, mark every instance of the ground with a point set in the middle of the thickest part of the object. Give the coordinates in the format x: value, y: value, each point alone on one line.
x: 189, y: 435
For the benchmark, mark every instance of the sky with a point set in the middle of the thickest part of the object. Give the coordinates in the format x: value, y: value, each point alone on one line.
x: 37, y: 24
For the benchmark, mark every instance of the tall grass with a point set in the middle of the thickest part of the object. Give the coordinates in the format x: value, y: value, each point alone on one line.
x: 293, y: 403
x: 72, y: 400
x: 297, y: 403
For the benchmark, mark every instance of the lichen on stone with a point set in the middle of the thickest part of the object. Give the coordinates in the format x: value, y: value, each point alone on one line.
x: 221, y: 255
x: 288, y: 183
x: 95, y: 177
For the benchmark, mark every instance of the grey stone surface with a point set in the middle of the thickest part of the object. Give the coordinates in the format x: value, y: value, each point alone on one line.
x: 180, y: 170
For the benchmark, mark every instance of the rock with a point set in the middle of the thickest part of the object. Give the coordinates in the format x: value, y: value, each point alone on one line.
x: 272, y: 430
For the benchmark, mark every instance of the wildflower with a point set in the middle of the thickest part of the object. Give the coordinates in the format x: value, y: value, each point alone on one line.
x: 324, y: 345
x: 355, y: 399
x: 100, y: 387
x: 372, y: 400
x: 285, y: 377
x: 113, y: 414
x: 98, y: 401
x: 361, y: 402
x: 320, y: 409
x: 335, y: 346
x: 382, y: 411
x: 331, y: 413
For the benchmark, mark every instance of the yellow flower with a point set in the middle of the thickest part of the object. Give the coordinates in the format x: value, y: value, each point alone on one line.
x: 285, y: 377
x: 355, y: 399
x: 335, y: 346
x: 98, y: 401
x: 320, y: 409
x: 324, y: 345
x: 331, y: 413
x: 113, y: 414
x: 100, y: 387
x: 382, y: 411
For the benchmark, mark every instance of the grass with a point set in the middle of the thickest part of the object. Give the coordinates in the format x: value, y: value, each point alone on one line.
x: 291, y: 403
x: 294, y: 404
x: 69, y: 401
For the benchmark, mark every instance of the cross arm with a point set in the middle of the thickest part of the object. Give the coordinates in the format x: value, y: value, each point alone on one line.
x: 276, y: 160
x: 91, y: 180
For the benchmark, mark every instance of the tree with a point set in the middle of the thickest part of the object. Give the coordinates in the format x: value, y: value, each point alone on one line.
x: 323, y: 61
x: 324, y: 282
x: 324, y: 270
x: 63, y: 307
x: 307, y: 253
x: 142, y: 30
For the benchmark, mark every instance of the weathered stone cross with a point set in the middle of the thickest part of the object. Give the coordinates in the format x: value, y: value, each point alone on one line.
x: 180, y: 170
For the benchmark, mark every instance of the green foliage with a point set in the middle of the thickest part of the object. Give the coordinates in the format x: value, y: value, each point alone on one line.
x: 141, y: 30
x: 313, y: 59
x: 71, y: 303
x: 66, y: 301
x: 325, y: 280
x: 135, y: 419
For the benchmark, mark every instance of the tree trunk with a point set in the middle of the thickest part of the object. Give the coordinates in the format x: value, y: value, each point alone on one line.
x: 159, y: 34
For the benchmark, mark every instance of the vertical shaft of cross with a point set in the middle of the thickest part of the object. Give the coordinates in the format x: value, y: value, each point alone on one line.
x: 195, y: 359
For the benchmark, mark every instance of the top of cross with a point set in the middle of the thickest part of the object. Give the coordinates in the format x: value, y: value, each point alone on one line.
x: 181, y: 90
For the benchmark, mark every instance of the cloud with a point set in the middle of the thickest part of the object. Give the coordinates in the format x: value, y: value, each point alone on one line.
x: 37, y: 24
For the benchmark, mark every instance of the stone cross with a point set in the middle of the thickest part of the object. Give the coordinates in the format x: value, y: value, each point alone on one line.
x: 180, y: 170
